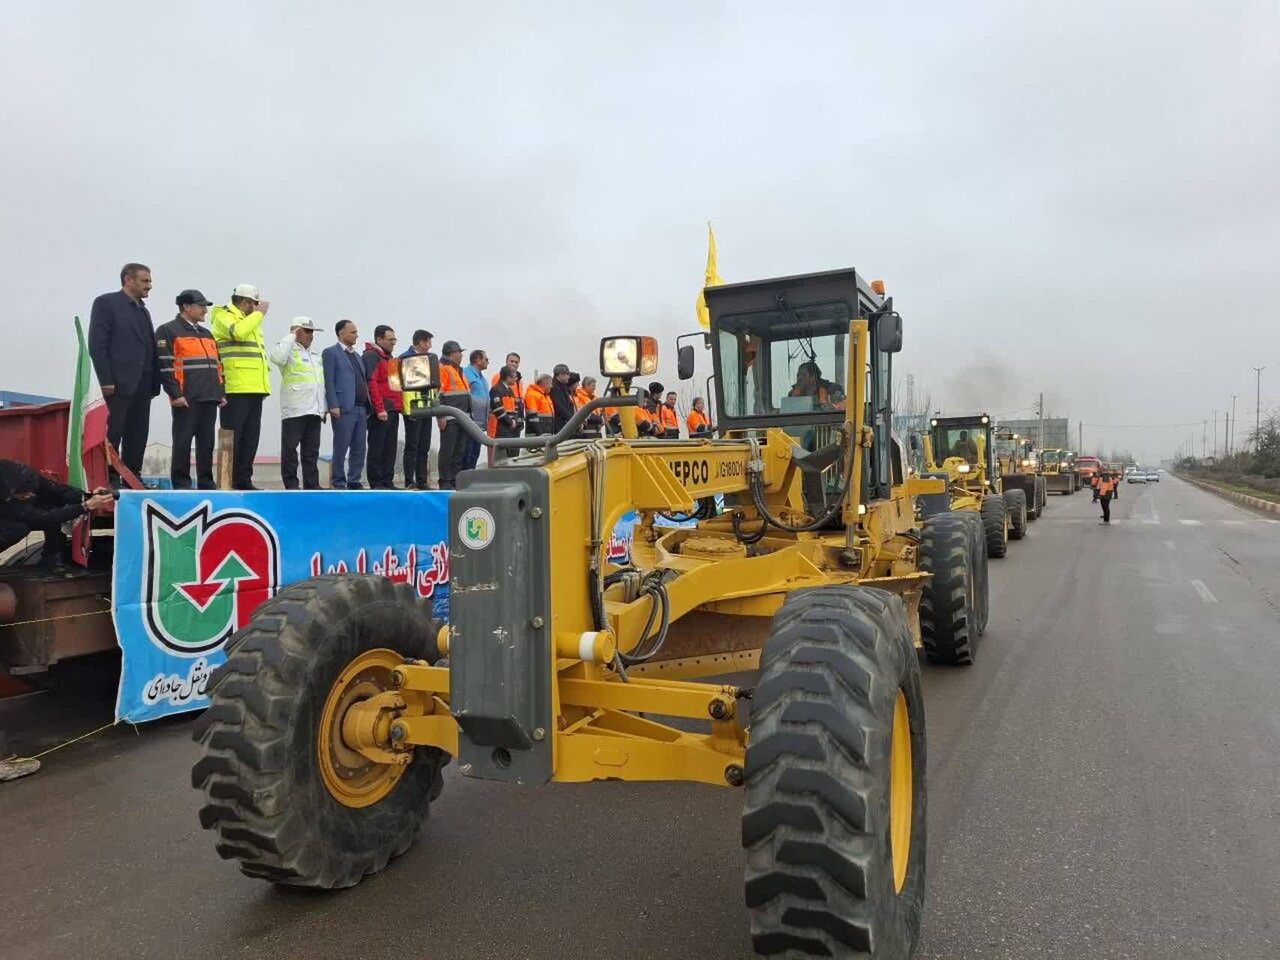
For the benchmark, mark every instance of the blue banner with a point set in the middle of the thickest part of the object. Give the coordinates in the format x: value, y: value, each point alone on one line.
x: 191, y: 567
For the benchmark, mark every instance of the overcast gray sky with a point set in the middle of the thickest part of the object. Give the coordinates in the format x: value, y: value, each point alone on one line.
x: 1076, y: 198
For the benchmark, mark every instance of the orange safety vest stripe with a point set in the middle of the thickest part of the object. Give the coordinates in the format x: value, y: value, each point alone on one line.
x: 452, y: 380
x: 194, y: 349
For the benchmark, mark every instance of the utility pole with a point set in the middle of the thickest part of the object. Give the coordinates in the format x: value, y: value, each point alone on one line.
x: 1215, y: 434
x: 1080, y: 443
x: 1257, y: 424
x: 1235, y: 425
x: 1040, y: 410
x: 1204, y: 437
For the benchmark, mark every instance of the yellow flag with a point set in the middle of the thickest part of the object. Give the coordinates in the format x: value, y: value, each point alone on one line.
x: 713, y: 279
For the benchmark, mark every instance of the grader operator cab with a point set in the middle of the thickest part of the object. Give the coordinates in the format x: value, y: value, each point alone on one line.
x: 961, y: 450
x: 1018, y: 464
x: 342, y: 700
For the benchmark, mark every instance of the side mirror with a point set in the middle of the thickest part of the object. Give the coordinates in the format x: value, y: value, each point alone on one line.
x: 684, y: 362
x: 889, y: 331
x: 915, y: 443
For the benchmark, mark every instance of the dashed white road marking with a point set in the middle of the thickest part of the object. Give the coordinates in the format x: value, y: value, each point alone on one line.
x: 1151, y: 523
x: 1190, y: 523
x: 1204, y: 592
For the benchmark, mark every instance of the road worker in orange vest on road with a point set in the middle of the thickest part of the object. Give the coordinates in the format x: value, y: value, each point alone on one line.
x: 1106, y: 487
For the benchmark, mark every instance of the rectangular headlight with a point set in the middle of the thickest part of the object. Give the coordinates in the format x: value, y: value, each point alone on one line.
x: 411, y: 373
x: 628, y: 356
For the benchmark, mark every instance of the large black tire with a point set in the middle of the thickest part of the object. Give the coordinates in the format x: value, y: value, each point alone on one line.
x: 950, y: 611
x: 816, y: 824
x: 1015, y: 502
x: 981, y: 565
x: 1042, y: 495
x: 264, y: 792
x: 995, y: 524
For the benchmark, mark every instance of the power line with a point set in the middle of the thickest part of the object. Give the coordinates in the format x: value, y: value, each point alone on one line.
x: 1143, y: 426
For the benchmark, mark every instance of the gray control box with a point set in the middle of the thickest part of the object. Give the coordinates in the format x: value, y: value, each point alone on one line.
x: 500, y: 664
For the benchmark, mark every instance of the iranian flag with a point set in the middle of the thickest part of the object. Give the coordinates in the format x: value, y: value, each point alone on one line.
x: 88, y: 426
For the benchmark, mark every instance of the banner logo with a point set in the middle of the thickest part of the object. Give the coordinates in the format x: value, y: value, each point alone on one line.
x: 205, y: 573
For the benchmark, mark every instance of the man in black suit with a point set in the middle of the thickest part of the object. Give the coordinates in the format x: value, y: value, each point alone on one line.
x: 122, y: 345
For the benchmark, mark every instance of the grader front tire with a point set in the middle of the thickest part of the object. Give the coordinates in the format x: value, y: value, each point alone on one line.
x: 950, y: 608
x: 980, y: 567
x: 995, y: 522
x: 1016, y: 503
x: 834, y: 819
x: 284, y: 796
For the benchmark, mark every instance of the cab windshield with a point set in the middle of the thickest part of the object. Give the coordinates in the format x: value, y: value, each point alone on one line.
x: 956, y: 442
x: 785, y: 362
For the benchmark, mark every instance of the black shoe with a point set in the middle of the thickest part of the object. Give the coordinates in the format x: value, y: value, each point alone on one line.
x: 247, y: 488
x: 355, y: 485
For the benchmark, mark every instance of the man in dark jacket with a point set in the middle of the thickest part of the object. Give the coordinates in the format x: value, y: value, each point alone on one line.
x: 122, y: 346
x: 562, y: 403
x: 191, y: 375
x: 385, y: 405
x: 506, y: 412
x: 454, y: 392
x: 30, y: 501
x: 346, y: 390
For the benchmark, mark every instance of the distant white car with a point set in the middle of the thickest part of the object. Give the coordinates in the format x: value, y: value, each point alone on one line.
x: 1153, y: 476
x: 1136, y: 476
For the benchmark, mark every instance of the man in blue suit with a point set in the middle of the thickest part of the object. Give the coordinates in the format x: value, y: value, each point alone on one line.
x: 347, y: 396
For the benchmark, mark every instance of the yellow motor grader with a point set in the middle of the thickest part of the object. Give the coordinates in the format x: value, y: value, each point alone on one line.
x: 1018, y: 463
x: 1059, y: 470
x: 961, y: 451
x: 342, y: 700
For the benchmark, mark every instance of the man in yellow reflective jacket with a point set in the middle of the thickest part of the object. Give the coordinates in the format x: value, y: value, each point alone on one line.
x: 237, y: 328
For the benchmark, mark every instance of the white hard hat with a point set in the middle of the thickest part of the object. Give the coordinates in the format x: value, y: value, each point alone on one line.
x: 302, y: 323
x: 248, y: 291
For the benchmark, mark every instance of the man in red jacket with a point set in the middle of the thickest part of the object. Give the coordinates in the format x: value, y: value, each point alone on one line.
x: 385, y: 405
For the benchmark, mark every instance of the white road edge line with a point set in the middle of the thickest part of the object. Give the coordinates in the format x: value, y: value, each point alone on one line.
x: 1201, y: 589
x: 1190, y: 523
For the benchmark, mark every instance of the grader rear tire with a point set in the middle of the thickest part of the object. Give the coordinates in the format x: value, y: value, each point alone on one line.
x: 834, y: 818
x: 995, y: 523
x: 286, y: 798
x: 1015, y: 502
x: 951, y: 604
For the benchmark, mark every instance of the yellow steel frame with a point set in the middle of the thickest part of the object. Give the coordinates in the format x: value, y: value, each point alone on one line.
x: 598, y: 732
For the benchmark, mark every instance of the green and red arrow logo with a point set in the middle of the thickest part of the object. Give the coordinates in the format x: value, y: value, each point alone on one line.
x: 205, y: 574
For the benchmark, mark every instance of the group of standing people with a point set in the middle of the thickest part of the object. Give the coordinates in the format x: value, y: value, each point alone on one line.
x: 216, y: 363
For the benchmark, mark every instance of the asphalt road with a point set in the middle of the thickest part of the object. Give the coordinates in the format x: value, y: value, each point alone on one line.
x: 1103, y: 784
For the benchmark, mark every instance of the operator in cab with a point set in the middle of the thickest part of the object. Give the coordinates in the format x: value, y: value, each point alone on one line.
x: 809, y: 383
x: 965, y: 447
